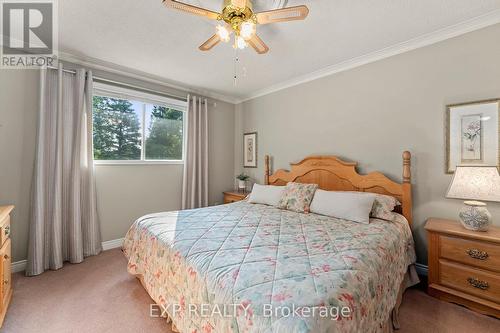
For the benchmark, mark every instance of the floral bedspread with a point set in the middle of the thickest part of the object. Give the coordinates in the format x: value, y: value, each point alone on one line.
x: 282, y: 269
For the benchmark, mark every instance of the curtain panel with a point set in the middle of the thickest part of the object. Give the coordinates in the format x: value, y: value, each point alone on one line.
x: 195, y: 180
x: 64, y: 225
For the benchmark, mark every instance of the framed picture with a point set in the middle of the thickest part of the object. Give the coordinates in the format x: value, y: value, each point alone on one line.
x: 250, y: 150
x: 472, y: 134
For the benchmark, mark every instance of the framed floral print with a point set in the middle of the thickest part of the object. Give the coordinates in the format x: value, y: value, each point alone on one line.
x: 472, y: 134
x: 250, y: 150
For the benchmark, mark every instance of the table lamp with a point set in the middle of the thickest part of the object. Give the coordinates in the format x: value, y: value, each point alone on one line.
x: 475, y: 183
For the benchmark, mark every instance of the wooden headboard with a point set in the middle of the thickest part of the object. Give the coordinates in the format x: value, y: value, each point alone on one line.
x: 334, y: 174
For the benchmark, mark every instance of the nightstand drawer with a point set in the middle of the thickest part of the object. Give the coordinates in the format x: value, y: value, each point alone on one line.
x: 464, y: 265
x: 470, y: 280
x: 470, y: 252
x: 230, y: 197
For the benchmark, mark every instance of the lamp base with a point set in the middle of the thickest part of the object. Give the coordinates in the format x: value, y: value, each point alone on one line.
x: 474, y: 216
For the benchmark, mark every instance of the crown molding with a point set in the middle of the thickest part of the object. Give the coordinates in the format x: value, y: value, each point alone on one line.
x: 412, y: 44
x: 143, y: 76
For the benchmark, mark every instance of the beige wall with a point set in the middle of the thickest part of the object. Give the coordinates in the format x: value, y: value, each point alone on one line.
x: 18, y: 116
x: 372, y: 113
x: 124, y: 192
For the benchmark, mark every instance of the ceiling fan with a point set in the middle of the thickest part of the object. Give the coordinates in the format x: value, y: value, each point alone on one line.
x: 240, y: 20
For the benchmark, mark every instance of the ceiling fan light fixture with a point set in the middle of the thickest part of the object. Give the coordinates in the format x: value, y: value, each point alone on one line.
x: 247, y: 30
x: 240, y: 43
x: 240, y: 20
x: 223, y: 33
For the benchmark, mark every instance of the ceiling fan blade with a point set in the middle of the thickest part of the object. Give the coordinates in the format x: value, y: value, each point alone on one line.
x: 210, y: 43
x: 191, y: 9
x: 283, y: 15
x: 239, y: 3
x: 258, y: 44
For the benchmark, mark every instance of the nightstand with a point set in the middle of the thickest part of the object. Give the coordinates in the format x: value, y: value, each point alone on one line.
x: 464, y: 266
x: 230, y: 196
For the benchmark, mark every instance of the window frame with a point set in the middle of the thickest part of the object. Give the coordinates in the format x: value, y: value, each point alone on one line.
x: 107, y: 90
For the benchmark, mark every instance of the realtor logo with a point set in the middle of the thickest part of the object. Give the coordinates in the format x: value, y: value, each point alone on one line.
x: 29, y: 34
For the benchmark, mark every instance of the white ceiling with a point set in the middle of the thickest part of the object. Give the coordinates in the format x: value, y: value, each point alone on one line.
x: 145, y: 36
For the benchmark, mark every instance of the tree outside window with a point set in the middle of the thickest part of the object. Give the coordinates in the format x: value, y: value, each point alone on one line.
x: 119, y: 131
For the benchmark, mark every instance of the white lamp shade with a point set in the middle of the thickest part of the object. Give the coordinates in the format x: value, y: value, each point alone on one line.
x: 475, y: 183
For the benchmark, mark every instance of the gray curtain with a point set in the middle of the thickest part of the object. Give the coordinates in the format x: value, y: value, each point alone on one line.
x: 195, y: 180
x: 63, y: 222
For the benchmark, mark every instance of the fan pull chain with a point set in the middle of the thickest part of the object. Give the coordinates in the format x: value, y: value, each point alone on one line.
x: 236, y: 61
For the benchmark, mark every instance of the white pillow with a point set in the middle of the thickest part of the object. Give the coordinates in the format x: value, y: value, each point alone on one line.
x: 266, y: 194
x: 350, y: 206
x: 382, y: 206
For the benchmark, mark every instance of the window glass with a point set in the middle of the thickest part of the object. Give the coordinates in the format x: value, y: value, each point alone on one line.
x: 117, y: 130
x: 130, y: 130
x: 164, y: 133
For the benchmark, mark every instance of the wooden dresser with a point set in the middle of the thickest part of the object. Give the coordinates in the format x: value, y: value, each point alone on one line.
x: 5, y: 261
x: 230, y: 197
x: 464, y: 266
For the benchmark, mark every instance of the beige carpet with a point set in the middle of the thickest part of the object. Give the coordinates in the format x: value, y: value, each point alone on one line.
x: 100, y: 296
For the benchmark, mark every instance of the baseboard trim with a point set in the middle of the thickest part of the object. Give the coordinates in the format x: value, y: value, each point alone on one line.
x: 112, y: 244
x: 20, y: 266
x: 422, y: 269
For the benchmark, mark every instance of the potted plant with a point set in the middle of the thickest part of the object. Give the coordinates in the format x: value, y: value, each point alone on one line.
x: 242, y: 182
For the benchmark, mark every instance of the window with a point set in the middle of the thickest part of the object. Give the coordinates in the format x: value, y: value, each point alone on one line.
x: 135, y: 127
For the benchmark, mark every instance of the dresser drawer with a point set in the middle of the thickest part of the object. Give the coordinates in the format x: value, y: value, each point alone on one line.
x: 4, y: 230
x: 5, y: 261
x: 470, y: 252
x: 470, y: 280
x: 5, y: 277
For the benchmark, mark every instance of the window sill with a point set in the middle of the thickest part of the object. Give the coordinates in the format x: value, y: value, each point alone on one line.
x: 152, y: 162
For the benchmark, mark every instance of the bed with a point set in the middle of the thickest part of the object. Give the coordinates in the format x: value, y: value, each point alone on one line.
x: 245, y: 267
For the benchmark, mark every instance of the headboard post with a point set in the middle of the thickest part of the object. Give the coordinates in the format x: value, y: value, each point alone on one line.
x: 266, y: 176
x: 406, y: 167
x: 407, y: 200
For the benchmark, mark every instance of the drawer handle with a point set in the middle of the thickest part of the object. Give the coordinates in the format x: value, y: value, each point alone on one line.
x: 7, y: 230
x: 5, y: 281
x: 6, y: 256
x: 476, y: 283
x: 477, y: 254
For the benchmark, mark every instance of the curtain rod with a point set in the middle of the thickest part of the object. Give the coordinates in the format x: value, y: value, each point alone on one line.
x: 103, y: 80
